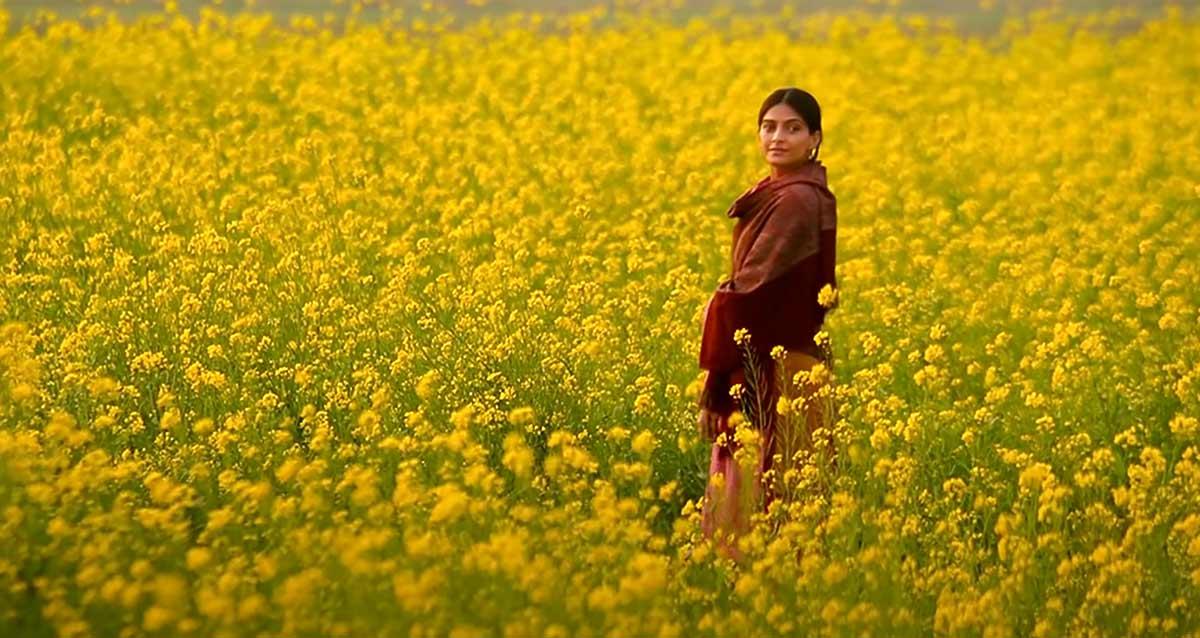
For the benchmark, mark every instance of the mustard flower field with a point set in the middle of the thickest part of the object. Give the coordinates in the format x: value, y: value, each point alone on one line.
x: 392, y: 329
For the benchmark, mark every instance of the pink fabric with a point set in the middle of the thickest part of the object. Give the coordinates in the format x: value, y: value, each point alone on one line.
x: 725, y: 515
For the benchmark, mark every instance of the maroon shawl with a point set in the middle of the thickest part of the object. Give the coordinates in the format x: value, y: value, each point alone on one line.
x: 783, y: 253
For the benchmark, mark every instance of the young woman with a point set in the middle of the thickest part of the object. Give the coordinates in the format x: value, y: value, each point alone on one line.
x: 783, y: 253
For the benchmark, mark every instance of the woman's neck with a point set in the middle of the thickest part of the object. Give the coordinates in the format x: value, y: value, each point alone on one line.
x: 783, y: 171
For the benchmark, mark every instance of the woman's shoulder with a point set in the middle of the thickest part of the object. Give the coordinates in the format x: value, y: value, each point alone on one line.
x: 808, y: 198
x: 799, y: 196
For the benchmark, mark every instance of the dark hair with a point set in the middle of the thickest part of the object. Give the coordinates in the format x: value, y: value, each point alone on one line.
x: 802, y: 102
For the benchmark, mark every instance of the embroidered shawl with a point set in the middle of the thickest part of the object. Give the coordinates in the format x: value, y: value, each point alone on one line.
x: 783, y: 252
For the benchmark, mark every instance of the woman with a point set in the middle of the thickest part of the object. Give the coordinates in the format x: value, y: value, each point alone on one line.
x: 783, y: 253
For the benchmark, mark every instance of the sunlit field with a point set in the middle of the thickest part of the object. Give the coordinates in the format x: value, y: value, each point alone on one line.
x: 392, y: 329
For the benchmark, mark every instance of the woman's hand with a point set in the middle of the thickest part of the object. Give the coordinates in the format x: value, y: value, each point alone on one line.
x: 708, y: 424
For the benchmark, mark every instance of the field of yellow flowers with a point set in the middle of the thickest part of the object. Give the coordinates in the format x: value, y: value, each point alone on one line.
x: 391, y: 330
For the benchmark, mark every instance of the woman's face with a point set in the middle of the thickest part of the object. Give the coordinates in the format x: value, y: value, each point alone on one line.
x: 784, y: 137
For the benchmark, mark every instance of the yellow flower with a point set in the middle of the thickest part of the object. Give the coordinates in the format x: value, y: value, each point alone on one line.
x: 1184, y: 427
x: 451, y: 503
x: 646, y: 575
x: 427, y: 385
x: 880, y: 439
x: 617, y: 433
x: 827, y: 296
x: 1034, y: 476
x: 463, y: 417
x: 517, y: 456
x: 521, y: 416
x: 644, y: 443
x: 104, y: 387
x: 198, y: 558
x: 203, y: 426
x: 171, y: 421
x: 783, y: 406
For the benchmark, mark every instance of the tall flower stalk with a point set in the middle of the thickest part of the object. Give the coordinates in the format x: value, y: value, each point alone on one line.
x: 804, y: 461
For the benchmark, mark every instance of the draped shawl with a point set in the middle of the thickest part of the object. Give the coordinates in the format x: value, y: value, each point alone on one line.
x: 783, y: 252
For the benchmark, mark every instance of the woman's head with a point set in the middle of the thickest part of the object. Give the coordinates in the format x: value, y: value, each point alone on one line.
x: 789, y: 127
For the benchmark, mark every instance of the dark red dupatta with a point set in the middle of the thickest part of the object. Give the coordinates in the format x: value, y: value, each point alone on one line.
x: 783, y: 252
